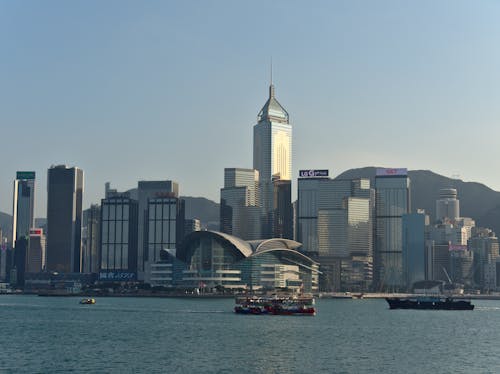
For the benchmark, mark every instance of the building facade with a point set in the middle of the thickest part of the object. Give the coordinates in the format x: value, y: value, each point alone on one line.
x: 415, y: 227
x: 64, y: 218
x: 447, y: 206
x: 149, y: 190
x: 240, y: 214
x: 272, y: 154
x: 217, y: 260
x: 118, y: 238
x: 35, y: 258
x: 23, y: 217
x: 91, y: 229
x: 392, y: 202
x: 335, y: 225
x: 282, y: 217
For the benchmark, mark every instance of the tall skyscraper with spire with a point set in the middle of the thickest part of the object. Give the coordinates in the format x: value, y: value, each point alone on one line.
x: 272, y: 154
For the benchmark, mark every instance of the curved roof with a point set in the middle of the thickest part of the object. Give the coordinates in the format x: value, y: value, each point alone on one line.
x: 248, y: 248
x: 244, y: 248
x: 274, y: 243
x: 240, y: 244
x: 292, y: 252
x: 272, y: 109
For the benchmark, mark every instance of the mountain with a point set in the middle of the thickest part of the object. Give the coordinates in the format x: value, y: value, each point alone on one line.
x: 207, y: 211
x: 477, y: 201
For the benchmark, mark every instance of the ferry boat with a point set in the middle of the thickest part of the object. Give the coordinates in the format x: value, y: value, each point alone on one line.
x: 432, y: 303
x: 276, y: 305
x: 87, y: 301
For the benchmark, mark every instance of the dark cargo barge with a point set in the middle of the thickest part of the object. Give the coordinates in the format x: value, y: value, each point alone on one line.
x: 429, y: 303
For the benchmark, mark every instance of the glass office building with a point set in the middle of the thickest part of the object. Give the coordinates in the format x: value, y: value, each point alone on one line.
x: 149, y: 190
x: 118, y: 237
x: 392, y: 202
x: 335, y: 225
x: 414, y: 244
x: 162, y: 226
x: 91, y: 228
x: 240, y: 214
x: 23, y: 218
x: 64, y: 219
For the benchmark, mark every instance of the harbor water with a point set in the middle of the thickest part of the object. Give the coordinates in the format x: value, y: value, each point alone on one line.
x: 183, y: 335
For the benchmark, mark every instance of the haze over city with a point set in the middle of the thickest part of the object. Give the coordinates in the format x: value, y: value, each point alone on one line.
x: 132, y: 91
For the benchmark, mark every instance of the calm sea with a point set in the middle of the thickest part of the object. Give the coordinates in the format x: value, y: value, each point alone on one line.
x: 149, y: 335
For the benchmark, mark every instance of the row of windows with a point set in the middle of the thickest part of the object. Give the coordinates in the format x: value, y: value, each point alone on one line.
x: 115, y: 232
x: 162, y: 209
x: 114, y: 257
x: 115, y: 212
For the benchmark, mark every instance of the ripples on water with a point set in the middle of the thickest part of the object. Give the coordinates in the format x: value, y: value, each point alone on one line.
x: 141, y: 335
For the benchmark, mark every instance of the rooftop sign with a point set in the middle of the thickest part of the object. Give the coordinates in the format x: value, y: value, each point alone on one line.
x: 313, y: 173
x: 25, y: 175
x: 386, y: 172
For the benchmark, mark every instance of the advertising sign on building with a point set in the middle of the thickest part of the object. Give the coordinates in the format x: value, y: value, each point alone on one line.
x: 117, y: 276
x: 457, y: 247
x: 313, y: 173
x: 25, y: 175
x: 387, y: 172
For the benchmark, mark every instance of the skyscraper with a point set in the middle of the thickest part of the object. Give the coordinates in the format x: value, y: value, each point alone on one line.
x: 90, y: 239
x: 282, y: 217
x: 414, y: 244
x: 335, y: 225
x: 240, y: 214
x: 35, y: 258
x: 447, y: 206
x: 147, y: 190
x: 272, y: 154
x: 118, y: 238
x: 64, y: 218
x: 392, y: 202
x: 23, y: 218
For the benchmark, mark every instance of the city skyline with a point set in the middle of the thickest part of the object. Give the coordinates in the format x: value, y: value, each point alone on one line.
x: 129, y: 92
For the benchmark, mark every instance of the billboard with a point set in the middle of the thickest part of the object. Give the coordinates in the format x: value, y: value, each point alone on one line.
x: 117, y: 276
x: 313, y: 173
x: 457, y: 247
x: 25, y: 175
x: 388, y: 172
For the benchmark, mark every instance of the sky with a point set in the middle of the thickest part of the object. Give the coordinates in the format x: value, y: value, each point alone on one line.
x: 155, y: 90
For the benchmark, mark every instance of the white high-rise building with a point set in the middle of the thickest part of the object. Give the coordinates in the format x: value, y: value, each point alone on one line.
x: 272, y: 153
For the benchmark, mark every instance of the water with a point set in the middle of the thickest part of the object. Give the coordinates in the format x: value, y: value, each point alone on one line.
x: 151, y: 335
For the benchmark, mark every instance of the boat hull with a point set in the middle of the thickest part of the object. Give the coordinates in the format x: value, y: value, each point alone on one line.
x: 429, y: 304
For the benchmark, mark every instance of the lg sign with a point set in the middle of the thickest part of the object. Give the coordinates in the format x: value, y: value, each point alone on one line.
x: 313, y: 173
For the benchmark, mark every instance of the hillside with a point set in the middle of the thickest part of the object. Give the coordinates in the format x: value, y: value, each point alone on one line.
x: 476, y: 200
x: 207, y: 211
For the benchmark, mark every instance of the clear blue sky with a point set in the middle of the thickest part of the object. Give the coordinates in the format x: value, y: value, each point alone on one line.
x: 131, y: 90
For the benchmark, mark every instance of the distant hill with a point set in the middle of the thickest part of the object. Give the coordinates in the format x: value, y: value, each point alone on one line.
x: 477, y: 201
x: 207, y: 211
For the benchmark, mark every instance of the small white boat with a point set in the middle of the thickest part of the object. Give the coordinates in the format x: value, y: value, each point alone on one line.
x: 87, y: 301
